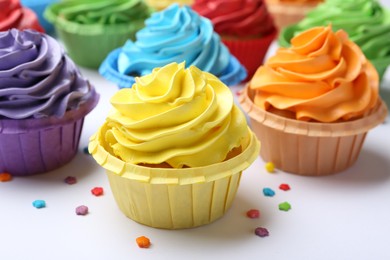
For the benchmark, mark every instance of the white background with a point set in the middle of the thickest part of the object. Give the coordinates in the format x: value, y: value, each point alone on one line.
x: 344, y: 216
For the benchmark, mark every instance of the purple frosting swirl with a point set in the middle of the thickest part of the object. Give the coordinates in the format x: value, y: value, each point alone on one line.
x: 37, y: 79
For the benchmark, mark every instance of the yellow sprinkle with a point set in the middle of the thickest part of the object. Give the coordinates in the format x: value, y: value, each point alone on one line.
x: 270, y: 167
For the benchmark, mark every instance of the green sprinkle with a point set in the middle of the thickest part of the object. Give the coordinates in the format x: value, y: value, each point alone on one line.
x: 285, y: 206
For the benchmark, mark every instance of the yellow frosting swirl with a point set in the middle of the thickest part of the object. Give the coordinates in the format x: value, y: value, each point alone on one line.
x: 323, y: 77
x: 182, y: 117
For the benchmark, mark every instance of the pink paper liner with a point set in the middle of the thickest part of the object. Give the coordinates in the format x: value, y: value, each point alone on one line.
x: 32, y: 146
x: 250, y: 52
x: 308, y: 148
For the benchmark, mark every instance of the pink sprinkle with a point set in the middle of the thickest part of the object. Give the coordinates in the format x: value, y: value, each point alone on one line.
x: 97, y: 191
x: 82, y: 210
x: 253, y: 213
x: 70, y: 180
x: 284, y: 187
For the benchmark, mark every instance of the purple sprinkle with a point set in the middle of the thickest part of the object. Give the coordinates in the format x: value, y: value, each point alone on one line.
x: 70, y: 180
x: 82, y: 210
x: 261, y: 232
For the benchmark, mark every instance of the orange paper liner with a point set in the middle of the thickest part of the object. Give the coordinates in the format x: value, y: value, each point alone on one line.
x: 174, y: 198
x: 308, y: 148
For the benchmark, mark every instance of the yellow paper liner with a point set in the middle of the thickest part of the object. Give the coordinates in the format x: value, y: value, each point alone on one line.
x: 174, y: 198
x: 308, y: 148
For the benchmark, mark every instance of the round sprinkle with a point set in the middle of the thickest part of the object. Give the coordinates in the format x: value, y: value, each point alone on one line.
x: 268, y: 192
x: 70, y: 180
x: 253, y: 213
x: 270, y: 167
x: 85, y: 150
x: 97, y: 191
x: 284, y: 187
x: 285, y: 206
x: 143, y: 242
x: 39, y: 204
x: 82, y: 210
x: 5, y: 176
x: 261, y: 232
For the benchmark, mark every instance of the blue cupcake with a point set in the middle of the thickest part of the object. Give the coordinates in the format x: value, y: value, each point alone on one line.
x: 39, y: 6
x: 175, y: 34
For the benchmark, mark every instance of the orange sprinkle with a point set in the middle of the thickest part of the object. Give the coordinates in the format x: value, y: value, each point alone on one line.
x: 143, y: 242
x: 5, y: 176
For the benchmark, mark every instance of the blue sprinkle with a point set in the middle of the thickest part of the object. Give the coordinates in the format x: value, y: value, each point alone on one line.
x: 268, y: 192
x: 39, y: 204
x: 85, y: 150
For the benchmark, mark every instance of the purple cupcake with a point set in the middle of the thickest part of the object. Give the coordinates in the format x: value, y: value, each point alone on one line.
x: 43, y: 102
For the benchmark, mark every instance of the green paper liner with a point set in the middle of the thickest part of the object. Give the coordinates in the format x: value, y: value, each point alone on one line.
x: 174, y: 198
x: 308, y: 148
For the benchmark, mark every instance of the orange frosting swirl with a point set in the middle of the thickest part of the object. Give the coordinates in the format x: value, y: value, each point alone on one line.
x: 322, y: 77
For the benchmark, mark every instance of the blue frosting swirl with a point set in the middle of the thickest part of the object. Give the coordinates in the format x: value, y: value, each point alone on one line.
x: 175, y: 34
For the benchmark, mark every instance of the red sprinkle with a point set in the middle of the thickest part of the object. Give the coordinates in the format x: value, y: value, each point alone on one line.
x: 253, y: 213
x: 97, y: 191
x: 5, y: 176
x: 143, y: 242
x: 284, y: 187
x: 70, y: 180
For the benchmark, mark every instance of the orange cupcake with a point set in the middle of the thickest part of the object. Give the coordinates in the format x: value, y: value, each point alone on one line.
x: 312, y: 104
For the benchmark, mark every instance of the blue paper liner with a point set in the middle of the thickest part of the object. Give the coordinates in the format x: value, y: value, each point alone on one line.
x: 232, y: 75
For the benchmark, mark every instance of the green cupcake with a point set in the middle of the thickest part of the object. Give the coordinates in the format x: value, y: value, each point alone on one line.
x: 366, y: 22
x: 90, y: 29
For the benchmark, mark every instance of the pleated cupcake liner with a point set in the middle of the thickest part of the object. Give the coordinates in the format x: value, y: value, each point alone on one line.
x: 309, y: 148
x: 250, y: 52
x: 33, y: 146
x: 232, y: 75
x: 174, y: 198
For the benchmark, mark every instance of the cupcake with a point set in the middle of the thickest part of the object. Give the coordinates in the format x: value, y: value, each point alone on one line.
x: 43, y: 101
x: 312, y: 104
x: 174, y: 147
x: 13, y: 15
x: 287, y: 12
x: 162, y: 4
x: 39, y: 6
x: 366, y: 22
x: 90, y: 29
x: 245, y: 27
x: 175, y: 34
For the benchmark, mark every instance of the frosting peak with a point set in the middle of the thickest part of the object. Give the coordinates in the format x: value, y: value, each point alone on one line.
x: 323, y: 77
x: 175, y: 116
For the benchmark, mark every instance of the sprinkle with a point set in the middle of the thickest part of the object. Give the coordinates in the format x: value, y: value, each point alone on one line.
x: 97, y: 191
x: 85, y: 150
x: 285, y: 206
x: 253, y: 213
x: 39, y: 204
x: 70, y: 180
x: 261, y: 232
x: 82, y: 210
x: 268, y: 192
x: 5, y: 176
x: 143, y: 242
x: 284, y: 187
x: 270, y: 167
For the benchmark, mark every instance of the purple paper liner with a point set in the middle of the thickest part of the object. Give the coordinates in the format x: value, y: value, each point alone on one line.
x: 33, y: 146
x: 232, y: 75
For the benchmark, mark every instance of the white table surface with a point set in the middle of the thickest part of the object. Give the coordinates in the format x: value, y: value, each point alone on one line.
x: 343, y: 216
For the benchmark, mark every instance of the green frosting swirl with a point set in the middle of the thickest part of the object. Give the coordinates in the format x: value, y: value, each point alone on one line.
x: 366, y: 22
x: 102, y: 12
